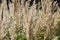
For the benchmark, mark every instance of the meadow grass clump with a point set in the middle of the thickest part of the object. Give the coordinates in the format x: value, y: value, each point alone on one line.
x: 25, y: 22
